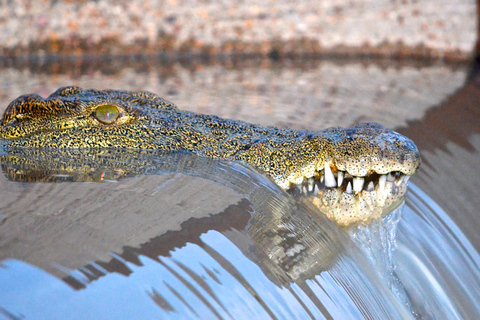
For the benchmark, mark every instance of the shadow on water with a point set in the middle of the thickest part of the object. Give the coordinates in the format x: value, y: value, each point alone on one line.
x: 146, y: 235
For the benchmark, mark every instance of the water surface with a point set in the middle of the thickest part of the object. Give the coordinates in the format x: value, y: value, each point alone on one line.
x: 217, y: 240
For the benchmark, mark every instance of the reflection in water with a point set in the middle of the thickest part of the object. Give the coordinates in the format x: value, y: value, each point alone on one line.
x: 268, y: 256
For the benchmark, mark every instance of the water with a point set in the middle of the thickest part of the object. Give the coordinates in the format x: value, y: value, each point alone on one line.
x: 378, y: 242
x: 435, y: 262
x: 425, y: 260
x: 284, y: 261
x: 188, y: 238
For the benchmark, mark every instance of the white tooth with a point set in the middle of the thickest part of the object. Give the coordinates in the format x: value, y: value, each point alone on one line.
x: 349, y: 188
x: 390, y: 177
x: 307, y: 188
x: 370, y: 186
x: 381, y: 182
x: 406, y: 179
x: 358, y: 184
x: 310, y: 186
x: 322, y: 178
x: 329, y: 177
x: 340, y: 178
x: 400, y: 179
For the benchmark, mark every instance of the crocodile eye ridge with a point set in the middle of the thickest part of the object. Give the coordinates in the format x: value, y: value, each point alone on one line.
x: 107, y: 113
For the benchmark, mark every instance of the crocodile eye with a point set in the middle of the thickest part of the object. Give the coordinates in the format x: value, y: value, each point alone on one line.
x: 107, y: 113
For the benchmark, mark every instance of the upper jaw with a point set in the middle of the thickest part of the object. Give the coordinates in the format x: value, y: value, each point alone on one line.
x: 349, y: 200
x: 360, y: 151
x: 370, y: 147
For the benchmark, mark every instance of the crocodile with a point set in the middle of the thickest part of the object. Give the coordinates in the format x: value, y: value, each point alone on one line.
x: 351, y: 174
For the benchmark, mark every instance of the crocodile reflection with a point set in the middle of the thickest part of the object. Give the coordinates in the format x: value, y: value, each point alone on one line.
x: 282, y: 235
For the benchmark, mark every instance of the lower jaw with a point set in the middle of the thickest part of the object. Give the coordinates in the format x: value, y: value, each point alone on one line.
x: 349, y: 209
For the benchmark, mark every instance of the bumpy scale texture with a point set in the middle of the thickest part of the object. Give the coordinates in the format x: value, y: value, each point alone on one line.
x: 68, y: 119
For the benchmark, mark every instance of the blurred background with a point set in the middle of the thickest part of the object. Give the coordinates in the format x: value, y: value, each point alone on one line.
x: 443, y: 29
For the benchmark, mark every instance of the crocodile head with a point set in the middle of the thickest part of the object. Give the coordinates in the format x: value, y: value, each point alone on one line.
x: 351, y: 174
x: 363, y: 174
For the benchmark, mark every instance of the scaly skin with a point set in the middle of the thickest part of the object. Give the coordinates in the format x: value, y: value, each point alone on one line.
x: 68, y: 120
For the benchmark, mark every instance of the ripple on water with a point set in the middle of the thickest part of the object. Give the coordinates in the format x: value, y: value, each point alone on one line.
x: 435, y: 262
x: 311, y: 269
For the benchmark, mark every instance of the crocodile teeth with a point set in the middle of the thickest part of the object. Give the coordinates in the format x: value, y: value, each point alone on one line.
x: 340, y: 178
x: 370, y: 186
x: 329, y: 177
x: 349, y: 188
x: 381, y: 182
x: 358, y: 184
x: 390, y: 177
x: 310, y: 186
x: 400, y: 179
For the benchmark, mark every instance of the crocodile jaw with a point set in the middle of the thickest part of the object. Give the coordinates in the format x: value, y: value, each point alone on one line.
x: 348, y: 209
x: 361, y: 173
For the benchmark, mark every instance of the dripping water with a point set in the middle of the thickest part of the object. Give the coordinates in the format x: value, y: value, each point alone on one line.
x: 378, y: 242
